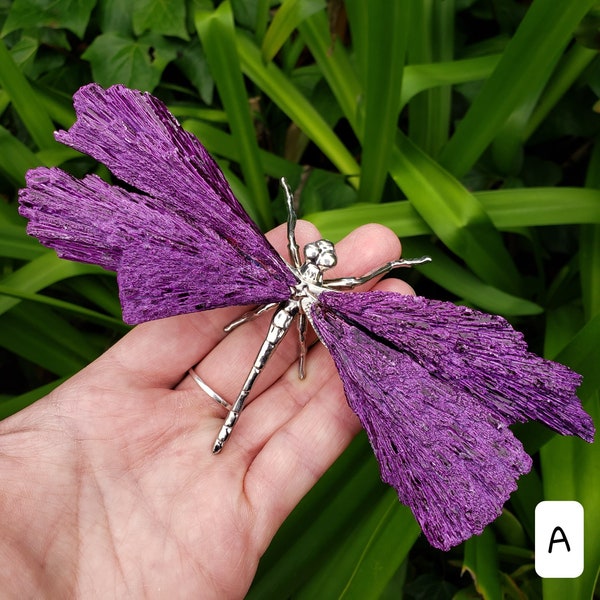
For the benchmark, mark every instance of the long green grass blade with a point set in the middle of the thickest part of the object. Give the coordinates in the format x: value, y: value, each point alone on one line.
x: 460, y: 281
x: 454, y: 214
x: 390, y: 540
x: 387, y: 30
x: 34, y: 116
x: 100, y: 291
x: 418, y: 78
x: 431, y: 41
x: 568, y: 70
x: 524, y: 68
x: 582, y: 354
x: 15, y: 158
x: 290, y: 100
x: 287, y: 18
x: 223, y: 144
x: 46, y: 339
x: 326, y: 514
x: 15, y: 243
x: 481, y: 561
x: 382, y: 538
x: 570, y: 472
x: 334, y: 63
x: 40, y: 273
x: 217, y: 32
x: 91, y: 315
x: 508, y: 209
x: 589, y: 252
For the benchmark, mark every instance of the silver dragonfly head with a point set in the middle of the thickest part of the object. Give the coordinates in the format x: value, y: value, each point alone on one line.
x: 321, y: 254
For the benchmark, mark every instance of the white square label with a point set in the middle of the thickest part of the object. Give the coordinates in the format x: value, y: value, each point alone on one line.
x: 559, y: 539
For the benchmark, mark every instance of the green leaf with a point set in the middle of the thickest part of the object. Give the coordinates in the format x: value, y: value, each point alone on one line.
x: 217, y: 33
x: 17, y: 158
x: 570, y: 470
x: 431, y: 40
x: 508, y: 209
x: 68, y: 14
x: 582, y: 354
x: 387, y: 32
x: 454, y: 214
x: 372, y: 553
x: 291, y: 101
x: 327, y: 514
x: 516, y: 82
x: 460, y: 281
x: 15, y: 243
x: 136, y: 63
x: 43, y: 338
x: 589, y: 253
x: 114, y: 16
x: 287, y: 18
x: 192, y: 62
x: 22, y: 97
x: 481, y: 561
x: 334, y: 64
x: 90, y: 315
x: 223, y: 144
x: 160, y: 17
x: 418, y: 78
x: 40, y: 273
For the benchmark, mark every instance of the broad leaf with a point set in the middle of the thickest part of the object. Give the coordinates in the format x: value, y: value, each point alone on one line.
x: 134, y: 63
x: 68, y: 14
x: 158, y: 16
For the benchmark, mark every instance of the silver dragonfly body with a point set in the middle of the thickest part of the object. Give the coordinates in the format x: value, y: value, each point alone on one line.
x: 318, y: 257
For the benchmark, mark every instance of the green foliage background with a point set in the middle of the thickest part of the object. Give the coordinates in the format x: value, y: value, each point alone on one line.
x: 470, y: 127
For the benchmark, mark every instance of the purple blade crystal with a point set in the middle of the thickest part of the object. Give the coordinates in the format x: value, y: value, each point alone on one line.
x: 166, y: 264
x: 184, y: 245
x: 440, y: 442
x: 447, y: 459
x: 138, y: 139
x: 480, y: 353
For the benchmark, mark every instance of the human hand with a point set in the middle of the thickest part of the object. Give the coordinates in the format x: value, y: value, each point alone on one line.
x: 109, y: 486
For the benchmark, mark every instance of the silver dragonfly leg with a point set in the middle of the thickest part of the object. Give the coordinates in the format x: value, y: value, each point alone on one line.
x: 347, y: 283
x: 293, y: 247
x: 249, y: 316
x: 280, y: 323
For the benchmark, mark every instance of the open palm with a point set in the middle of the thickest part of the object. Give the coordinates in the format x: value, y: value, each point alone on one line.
x: 109, y: 487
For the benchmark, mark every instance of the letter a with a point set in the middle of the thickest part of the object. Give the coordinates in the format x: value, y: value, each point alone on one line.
x: 561, y: 539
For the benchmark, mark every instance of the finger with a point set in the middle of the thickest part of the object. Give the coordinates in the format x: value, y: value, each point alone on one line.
x: 363, y: 250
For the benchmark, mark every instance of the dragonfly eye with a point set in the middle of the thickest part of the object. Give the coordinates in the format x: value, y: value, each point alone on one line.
x: 321, y: 254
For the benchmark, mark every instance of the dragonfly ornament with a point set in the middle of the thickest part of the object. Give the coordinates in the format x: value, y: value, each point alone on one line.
x: 435, y: 385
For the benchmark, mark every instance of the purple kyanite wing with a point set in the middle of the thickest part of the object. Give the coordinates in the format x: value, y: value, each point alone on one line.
x: 435, y: 387
x: 183, y: 244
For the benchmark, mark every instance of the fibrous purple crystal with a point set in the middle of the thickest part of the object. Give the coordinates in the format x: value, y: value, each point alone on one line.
x: 183, y: 244
x: 435, y: 386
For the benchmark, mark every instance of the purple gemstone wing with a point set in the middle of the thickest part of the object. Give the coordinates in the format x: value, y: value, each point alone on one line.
x: 448, y: 460
x: 185, y: 244
x: 138, y: 139
x: 450, y: 457
x: 480, y: 353
x: 166, y: 264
